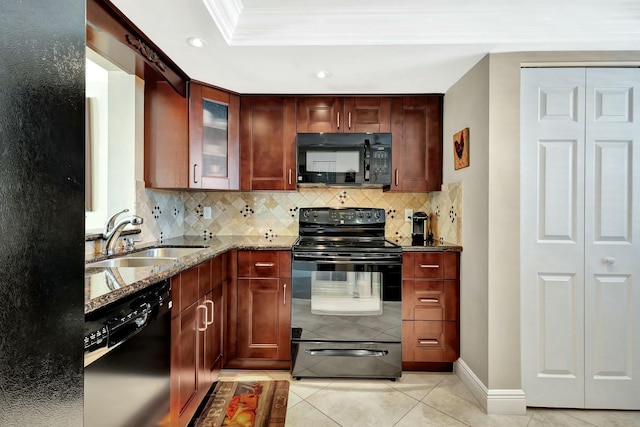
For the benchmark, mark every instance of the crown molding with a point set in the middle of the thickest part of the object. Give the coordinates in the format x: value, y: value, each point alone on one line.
x: 414, y: 22
x: 225, y: 13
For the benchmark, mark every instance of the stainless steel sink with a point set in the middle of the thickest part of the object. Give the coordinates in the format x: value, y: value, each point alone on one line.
x: 166, y: 252
x: 131, y: 261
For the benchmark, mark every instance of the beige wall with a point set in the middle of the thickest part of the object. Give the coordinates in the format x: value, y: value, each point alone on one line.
x: 497, y: 283
x: 466, y: 104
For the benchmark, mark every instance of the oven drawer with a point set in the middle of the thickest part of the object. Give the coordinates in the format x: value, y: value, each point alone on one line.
x: 430, y: 300
x: 429, y: 341
x: 346, y: 359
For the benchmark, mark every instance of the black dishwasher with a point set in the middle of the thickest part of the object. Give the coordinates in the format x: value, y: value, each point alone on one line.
x: 127, y: 361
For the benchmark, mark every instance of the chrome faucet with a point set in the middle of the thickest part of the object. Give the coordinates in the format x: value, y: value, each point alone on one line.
x: 108, y: 226
x: 113, y: 231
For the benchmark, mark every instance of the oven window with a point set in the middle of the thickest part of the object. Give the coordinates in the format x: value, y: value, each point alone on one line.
x: 343, y: 293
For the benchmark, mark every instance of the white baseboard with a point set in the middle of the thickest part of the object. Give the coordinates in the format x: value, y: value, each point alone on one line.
x: 498, y: 402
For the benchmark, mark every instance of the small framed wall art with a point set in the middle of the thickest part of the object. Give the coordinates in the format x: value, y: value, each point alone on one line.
x: 461, y: 149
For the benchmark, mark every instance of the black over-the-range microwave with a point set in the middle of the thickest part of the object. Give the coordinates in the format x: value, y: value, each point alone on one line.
x: 350, y: 159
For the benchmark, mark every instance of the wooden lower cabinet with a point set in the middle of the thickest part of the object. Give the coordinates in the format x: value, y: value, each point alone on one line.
x: 196, y: 337
x: 261, y: 311
x: 430, y: 310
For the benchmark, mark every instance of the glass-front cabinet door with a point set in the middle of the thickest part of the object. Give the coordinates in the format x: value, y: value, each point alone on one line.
x: 213, y: 138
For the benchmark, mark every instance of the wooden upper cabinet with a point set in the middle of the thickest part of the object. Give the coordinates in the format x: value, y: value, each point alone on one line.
x: 166, y: 135
x: 267, y: 143
x: 367, y: 114
x: 416, y: 128
x: 344, y: 114
x: 214, y: 147
x: 191, y: 143
x: 319, y: 114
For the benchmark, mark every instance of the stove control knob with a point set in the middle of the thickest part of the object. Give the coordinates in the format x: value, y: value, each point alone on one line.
x: 305, y: 214
x: 376, y: 214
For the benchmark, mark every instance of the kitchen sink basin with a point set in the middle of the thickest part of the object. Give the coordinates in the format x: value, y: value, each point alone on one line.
x: 165, y: 252
x: 130, y: 261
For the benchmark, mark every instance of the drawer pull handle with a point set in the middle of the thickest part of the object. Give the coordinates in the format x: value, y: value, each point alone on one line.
x: 204, y: 323
x: 428, y: 342
x: 212, y: 314
x: 428, y: 300
x: 265, y: 264
x: 284, y: 294
x: 429, y: 266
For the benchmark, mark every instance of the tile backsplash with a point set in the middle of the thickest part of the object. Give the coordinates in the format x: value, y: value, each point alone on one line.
x: 261, y: 213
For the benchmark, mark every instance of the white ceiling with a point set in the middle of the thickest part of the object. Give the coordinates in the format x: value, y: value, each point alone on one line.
x: 370, y: 46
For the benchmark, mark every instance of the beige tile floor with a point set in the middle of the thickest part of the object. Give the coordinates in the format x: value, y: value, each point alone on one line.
x: 416, y: 399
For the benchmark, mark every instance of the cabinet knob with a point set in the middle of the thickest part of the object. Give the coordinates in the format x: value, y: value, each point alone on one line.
x: 195, y: 176
x: 284, y: 294
x: 396, y: 177
x: 435, y: 300
x: 609, y: 260
x: 428, y: 342
x: 338, y: 120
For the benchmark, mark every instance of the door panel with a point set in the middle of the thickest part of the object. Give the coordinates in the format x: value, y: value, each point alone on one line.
x: 557, y: 189
x: 560, y: 314
x: 580, y: 203
x: 552, y: 237
x: 612, y: 250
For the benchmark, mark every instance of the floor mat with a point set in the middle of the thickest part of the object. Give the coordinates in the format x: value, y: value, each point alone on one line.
x: 244, y: 404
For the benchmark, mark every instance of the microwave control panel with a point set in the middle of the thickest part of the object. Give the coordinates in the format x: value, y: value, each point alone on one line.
x: 381, y: 162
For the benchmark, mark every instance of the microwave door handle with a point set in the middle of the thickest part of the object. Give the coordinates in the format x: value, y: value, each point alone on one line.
x: 367, y: 160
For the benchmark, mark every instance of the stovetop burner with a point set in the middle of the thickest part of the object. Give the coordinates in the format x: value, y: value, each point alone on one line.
x: 340, y: 229
x: 344, y: 243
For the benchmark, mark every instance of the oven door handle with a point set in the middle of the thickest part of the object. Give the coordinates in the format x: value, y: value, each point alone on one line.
x: 328, y: 259
x: 346, y: 352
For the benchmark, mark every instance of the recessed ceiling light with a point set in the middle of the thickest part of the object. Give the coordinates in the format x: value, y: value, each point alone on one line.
x: 196, y: 42
x: 322, y: 74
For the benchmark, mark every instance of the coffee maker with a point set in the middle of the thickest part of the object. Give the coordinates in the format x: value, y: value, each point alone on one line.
x: 419, y: 228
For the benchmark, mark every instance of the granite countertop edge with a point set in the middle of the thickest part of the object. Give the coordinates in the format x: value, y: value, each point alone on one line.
x: 212, y: 247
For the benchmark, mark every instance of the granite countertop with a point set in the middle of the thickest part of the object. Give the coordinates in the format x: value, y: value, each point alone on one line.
x: 409, y: 246
x: 105, y: 285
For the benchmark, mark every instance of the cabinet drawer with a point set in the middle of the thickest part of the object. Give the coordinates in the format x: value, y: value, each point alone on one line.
x: 258, y: 264
x: 430, y: 265
x: 430, y: 341
x: 430, y: 300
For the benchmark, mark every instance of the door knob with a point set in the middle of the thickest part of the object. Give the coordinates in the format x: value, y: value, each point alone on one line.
x: 609, y: 260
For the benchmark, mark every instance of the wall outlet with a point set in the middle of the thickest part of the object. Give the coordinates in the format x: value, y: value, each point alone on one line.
x: 408, y: 215
x: 206, y: 212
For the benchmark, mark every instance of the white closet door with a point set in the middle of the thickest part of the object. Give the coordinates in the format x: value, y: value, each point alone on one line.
x: 612, y: 239
x: 552, y: 236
